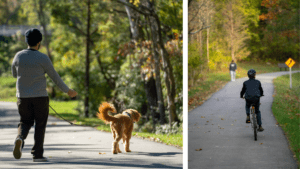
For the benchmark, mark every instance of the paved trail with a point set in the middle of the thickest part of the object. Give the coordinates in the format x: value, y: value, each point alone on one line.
x: 218, y: 127
x: 79, y: 147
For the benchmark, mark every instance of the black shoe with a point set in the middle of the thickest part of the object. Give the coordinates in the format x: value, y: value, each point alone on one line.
x: 248, y: 119
x: 260, y: 129
x: 40, y: 159
x: 18, y: 148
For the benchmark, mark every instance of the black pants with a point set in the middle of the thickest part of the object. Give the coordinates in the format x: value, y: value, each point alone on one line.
x: 256, y: 103
x: 33, y: 110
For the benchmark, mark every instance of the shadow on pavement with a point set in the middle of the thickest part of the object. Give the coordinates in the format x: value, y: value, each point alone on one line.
x: 158, y: 154
x: 102, y: 163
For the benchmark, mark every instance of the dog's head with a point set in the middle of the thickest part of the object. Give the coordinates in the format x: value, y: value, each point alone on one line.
x: 133, y: 114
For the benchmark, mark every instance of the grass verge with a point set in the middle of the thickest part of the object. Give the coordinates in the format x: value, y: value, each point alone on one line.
x: 286, y: 109
x: 214, y: 81
x: 8, y: 89
x: 66, y: 109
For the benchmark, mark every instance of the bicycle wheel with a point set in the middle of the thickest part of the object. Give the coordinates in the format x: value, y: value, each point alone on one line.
x: 254, y: 123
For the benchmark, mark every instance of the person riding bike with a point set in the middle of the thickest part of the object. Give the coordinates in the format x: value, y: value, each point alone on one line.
x: 253, y: 91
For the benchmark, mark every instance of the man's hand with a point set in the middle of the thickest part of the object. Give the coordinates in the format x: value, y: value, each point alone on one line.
x: 72, y: 93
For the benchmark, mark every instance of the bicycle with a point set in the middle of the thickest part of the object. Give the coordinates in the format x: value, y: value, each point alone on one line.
x: 253, y: 119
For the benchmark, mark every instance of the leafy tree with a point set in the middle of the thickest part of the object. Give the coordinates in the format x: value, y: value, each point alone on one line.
x: 280, y: 27
x: 147, y: 8
x: 5, y: 54
x: 81, y: 18
x: 9, y: 12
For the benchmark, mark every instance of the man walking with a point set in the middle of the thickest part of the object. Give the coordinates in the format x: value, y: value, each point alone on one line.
x: 232, y: 68
x: 29, y: 67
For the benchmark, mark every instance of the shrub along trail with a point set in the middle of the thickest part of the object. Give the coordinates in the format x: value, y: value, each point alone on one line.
x: 218, y: 136
x: 69, y: 146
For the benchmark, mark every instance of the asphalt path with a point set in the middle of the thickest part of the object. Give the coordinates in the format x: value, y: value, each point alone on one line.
x: 69, y: 146
x: 218, y: 136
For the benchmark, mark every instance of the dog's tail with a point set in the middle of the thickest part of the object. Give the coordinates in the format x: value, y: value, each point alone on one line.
x: 103, y: 112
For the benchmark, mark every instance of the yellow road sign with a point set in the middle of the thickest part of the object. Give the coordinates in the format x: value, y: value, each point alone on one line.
x: 290, y: 62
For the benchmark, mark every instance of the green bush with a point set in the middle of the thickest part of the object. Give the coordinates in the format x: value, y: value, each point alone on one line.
x: 166, y: 129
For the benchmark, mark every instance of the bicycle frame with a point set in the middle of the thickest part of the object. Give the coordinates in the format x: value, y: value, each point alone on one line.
x: 253, y: 121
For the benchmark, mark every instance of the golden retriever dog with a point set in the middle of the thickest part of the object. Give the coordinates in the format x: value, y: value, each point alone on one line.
x: 121, y: 125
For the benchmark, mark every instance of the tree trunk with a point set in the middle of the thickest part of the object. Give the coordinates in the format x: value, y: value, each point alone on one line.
x: 151, y: 92
x: 200, y: 44
x: 160, y: 98
x: 134, y: 19
x: 231, y: 32
x: 207, y: 40
x: 87, y: 63
x: 169, y: 77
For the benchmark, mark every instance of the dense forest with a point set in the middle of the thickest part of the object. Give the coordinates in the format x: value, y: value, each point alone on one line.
x: 127, y: 52
x: 219, y: 31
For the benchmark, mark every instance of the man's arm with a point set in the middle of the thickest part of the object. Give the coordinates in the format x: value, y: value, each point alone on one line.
x: 49, y: 69
x: 13, y: 69
x: 261, y: 90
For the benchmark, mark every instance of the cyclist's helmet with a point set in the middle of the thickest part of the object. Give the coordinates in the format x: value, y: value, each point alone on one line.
x: 251, y: 73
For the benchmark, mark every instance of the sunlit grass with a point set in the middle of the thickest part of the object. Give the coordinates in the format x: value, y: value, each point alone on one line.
x: 8, y: 89
x: 286, y: 109
x: 172, y: 139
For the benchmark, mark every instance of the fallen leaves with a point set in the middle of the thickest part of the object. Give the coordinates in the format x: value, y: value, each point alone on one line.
x: 222, y: 118
x: 199, y: 149
x: 260, y: 143
x: 101, y: 153
x: 195, y: 101
x: 202, y: 117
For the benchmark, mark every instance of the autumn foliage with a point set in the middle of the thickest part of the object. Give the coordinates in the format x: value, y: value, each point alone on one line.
x: 273, y: 10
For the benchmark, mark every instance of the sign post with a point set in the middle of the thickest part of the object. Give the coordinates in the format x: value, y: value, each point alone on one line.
x: 290, y: 63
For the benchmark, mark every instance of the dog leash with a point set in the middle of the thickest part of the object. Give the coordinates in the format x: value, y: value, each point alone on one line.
x: 63, y: 118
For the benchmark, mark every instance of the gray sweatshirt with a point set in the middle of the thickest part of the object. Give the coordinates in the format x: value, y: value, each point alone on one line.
x: 29, y: 67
